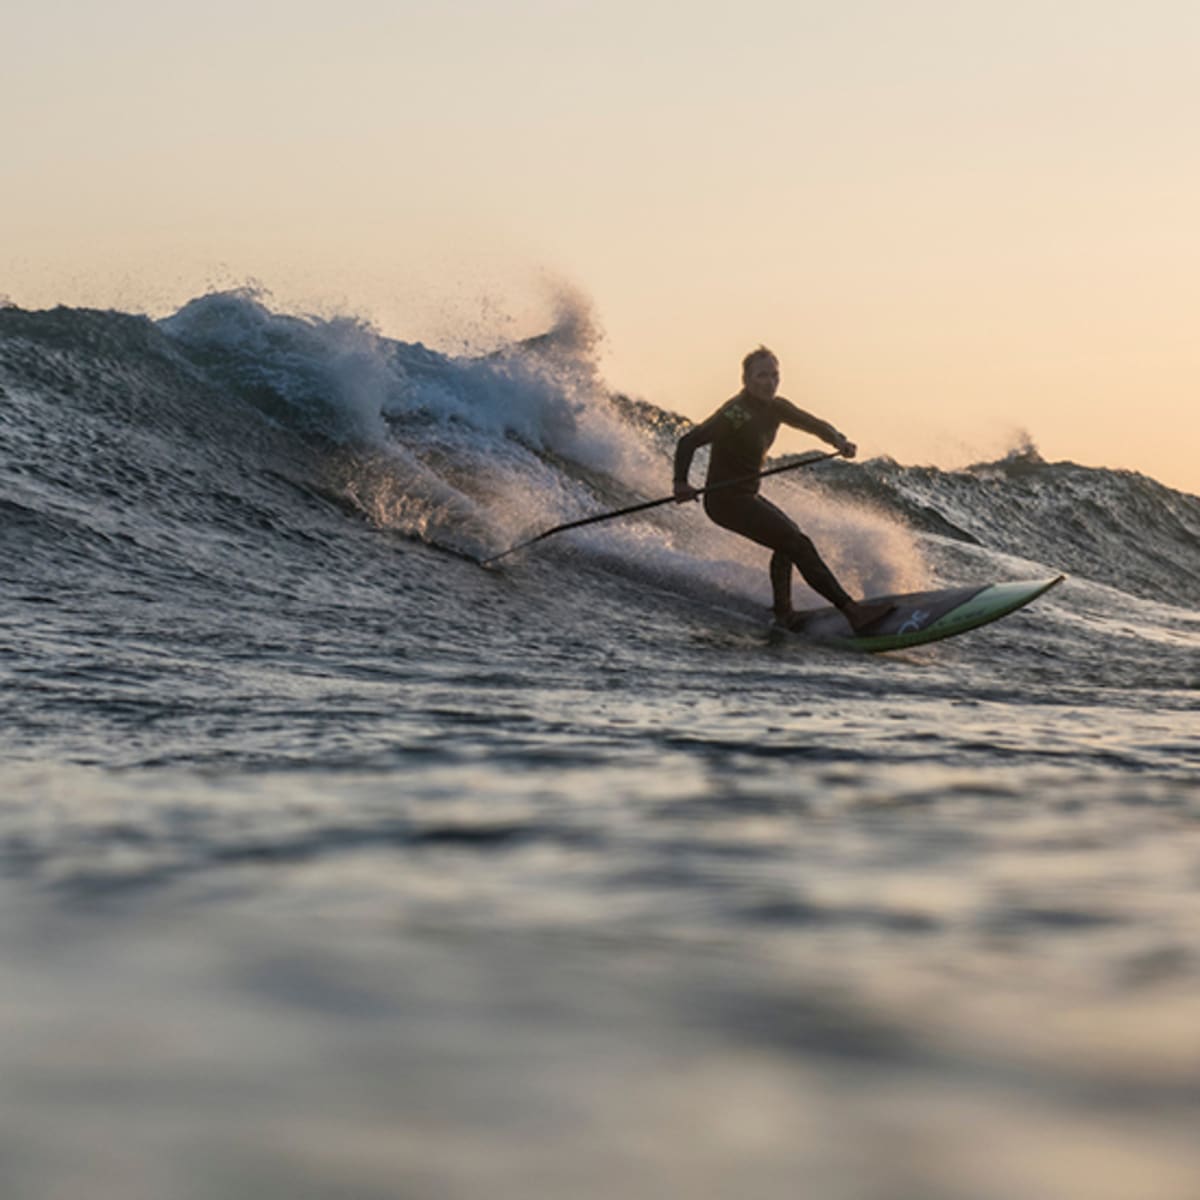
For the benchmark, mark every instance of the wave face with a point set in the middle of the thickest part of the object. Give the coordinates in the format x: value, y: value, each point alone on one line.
x: 137, y: 443
x: 307, y: 478
x: 1115, y: 527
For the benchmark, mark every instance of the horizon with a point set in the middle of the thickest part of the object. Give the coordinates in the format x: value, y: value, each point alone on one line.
x: 958, y: 229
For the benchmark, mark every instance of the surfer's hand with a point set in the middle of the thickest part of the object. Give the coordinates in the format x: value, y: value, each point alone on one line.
x: 845, y: 447
x: 684, y: 492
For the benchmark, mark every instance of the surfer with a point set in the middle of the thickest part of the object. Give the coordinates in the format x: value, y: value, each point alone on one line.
x: 741, y: 432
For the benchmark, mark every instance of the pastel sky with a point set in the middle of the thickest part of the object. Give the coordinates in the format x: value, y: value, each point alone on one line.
x: 958, y: 222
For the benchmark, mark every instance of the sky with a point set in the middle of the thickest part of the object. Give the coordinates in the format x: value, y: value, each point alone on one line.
x: 961, y: 224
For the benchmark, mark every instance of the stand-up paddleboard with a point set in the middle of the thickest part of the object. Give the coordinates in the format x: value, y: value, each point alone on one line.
x: 924, y: 616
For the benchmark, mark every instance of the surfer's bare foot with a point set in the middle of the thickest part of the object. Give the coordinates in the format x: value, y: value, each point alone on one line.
x: 863, y: 614
x: 784, y: 617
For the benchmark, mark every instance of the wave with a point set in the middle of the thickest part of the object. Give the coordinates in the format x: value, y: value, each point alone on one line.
x: 1116, y: 527
x: 225, y: 423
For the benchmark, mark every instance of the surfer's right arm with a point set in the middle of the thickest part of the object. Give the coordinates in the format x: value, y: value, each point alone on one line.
x: 697, y: 436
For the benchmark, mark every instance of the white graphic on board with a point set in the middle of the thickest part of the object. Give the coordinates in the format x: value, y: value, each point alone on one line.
x: 917, y: 619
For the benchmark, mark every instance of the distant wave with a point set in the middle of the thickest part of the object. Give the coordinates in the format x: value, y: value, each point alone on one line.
x: 1112, y: 526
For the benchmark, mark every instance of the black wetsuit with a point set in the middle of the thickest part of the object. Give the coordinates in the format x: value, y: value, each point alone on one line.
x: 741, y: 432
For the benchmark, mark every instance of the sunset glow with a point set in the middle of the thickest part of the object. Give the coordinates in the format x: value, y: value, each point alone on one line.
x: 959, y: 225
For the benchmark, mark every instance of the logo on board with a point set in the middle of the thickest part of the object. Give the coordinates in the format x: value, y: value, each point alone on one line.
x: 917, y: 619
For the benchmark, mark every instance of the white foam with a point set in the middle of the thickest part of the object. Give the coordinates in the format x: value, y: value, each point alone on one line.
x: 491, y: 449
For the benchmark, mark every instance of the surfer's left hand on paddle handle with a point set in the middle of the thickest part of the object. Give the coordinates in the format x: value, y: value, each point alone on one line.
x: 684, y: 492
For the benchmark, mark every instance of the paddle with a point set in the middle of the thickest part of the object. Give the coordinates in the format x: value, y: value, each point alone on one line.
x: 635, y: 508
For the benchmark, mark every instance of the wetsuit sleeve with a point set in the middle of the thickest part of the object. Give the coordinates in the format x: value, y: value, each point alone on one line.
x: 789, y: 414
x: 691, y: 441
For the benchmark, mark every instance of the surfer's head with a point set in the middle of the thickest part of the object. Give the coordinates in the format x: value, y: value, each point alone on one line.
x: 760, y: 373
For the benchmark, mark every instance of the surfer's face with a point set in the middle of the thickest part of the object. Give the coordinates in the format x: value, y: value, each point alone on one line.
x: 762, y: 379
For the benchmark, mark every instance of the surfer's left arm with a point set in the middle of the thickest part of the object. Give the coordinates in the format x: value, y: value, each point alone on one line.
x: 797, y: 418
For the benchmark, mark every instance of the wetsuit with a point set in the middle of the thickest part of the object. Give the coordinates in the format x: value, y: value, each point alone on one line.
x: 741, y: 432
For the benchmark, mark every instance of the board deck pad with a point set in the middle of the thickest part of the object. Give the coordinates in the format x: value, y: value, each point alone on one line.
x: 925, y: 616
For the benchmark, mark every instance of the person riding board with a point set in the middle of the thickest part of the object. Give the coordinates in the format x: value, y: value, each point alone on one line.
x: 741, y: 432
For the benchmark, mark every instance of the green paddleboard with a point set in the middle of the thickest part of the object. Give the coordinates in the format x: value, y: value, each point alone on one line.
x: 924, y: 616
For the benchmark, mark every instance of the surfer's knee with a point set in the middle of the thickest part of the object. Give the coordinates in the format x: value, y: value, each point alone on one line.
x: 802, y: 549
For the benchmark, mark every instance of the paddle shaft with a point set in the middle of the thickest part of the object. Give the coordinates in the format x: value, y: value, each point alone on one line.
x: 646, y: 504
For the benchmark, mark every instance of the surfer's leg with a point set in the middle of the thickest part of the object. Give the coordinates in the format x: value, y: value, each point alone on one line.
x: 816, y: 574
x: 781, y: 584
x: 861, y: 614
x: 799, y: 547
x: 761, y: 522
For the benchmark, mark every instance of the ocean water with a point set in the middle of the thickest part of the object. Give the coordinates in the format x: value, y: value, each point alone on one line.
x: 335, y: 864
